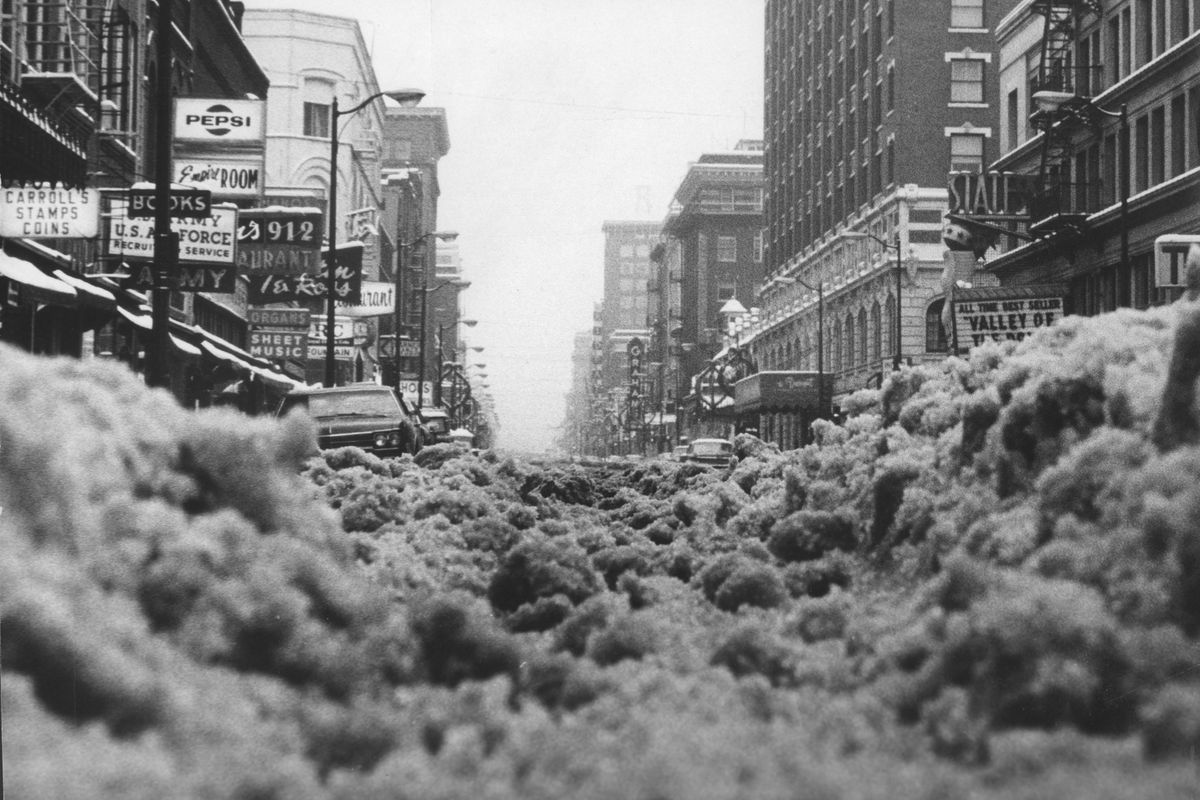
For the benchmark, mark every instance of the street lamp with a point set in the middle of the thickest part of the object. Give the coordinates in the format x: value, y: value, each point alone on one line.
x: 425, y: 292
x: 408, y: 97
x: 401, y: 266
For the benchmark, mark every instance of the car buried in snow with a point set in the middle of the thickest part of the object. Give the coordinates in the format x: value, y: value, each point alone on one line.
x: 368, y: 416
x: 710, y: 452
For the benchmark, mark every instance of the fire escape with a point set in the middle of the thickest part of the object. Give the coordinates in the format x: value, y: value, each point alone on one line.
x: 1062, y: 93
x: 74, y: 62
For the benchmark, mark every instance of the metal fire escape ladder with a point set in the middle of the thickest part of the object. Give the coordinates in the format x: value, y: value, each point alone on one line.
x: 1061, y: 112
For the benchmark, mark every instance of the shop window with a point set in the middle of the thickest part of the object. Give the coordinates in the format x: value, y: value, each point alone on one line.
x: 935, y: 334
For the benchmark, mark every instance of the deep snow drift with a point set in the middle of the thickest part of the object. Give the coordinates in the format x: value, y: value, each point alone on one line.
x: 986, y: 584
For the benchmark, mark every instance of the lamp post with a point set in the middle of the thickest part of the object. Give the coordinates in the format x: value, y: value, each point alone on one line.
x: 425, y: 292
x: 401, y: 266
x: 166, y: 241
x: 404, y: 97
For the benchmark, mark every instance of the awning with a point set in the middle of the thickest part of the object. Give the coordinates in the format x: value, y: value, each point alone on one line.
x: 38, y: 285
x: 143, y: 321
x: 790, y: 391
x: 184, y: 347
x: 88, y: 292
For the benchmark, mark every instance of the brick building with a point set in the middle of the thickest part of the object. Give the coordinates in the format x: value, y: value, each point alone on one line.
x: 868, y: 107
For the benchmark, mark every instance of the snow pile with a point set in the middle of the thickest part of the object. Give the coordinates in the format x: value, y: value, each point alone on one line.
x: 986, y: 584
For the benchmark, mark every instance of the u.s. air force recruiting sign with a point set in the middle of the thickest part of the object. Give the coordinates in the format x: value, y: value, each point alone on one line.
x: 1004, y: 313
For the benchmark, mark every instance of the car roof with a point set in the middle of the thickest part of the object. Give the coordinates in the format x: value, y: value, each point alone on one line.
x: 710, y: 441
x: 374, y: 387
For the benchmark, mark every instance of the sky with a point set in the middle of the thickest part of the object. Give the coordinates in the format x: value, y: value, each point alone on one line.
x: 562, y: 114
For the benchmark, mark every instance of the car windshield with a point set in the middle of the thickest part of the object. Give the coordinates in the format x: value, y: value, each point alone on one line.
x: 712, y: 448
x: 353, y: 404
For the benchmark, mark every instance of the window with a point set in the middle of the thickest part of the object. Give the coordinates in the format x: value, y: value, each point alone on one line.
x: 318, y: 100
x: 316, y: 119
x: 966, y: 80
x: 1013, y: 128
x: 966, y: 13
x: 727, y: 248
x: 935, y: 334
x: 726, y: 290
x: 758, y: 247
x: 966, y: 152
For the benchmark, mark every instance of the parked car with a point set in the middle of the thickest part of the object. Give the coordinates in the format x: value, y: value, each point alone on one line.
x: 714, y: 452
x: 678, y: 452
x: 437, y: 425
x: 369, y: 416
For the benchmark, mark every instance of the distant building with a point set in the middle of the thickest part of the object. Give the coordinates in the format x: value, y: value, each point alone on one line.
x: 715, y: 234
x: 415, y: 139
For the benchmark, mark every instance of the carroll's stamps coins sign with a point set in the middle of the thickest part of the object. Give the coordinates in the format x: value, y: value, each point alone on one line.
x: 217, y: 120
x: 201, y: 241
x: 279, y: 344
x: 49, y: 211
x: 279, y: 241
x: 996, y: 320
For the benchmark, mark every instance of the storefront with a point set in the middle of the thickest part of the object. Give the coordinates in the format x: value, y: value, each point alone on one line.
x: 783, y: 405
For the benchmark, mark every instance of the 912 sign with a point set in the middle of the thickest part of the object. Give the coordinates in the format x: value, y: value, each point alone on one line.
x: 279, y: 241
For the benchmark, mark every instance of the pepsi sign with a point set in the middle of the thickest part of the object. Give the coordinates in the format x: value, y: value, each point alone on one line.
x: 200, y: 119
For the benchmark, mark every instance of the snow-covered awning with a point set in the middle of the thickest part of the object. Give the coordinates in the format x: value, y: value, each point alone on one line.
x: 45, y: 287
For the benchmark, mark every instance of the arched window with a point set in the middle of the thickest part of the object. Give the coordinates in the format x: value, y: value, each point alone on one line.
x: 862, y: 336
x: 806, y: 355
x: 889, y: 325
x: 834, y: 346
x: 849, y: 342
x: 935, y: 334
x: 787, y: 354
x: 876, y: 332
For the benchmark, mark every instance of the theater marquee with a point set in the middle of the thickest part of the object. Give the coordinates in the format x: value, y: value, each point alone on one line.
x: 1008, y: 313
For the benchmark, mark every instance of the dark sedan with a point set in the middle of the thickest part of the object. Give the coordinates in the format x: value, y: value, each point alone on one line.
x: 714, y: 452
x: 367, y: 416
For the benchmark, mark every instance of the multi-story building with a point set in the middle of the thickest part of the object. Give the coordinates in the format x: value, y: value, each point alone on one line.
x: 715, y: 234
x: 868, y: 107
x: 627, y: 271
x: 415, y: 139
x: 76, y: 79
x: 1100, y: 100
x: 311, y: 59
